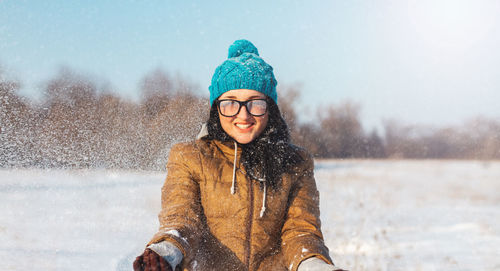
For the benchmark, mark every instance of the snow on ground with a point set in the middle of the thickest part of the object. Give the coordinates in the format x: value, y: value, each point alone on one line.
x: 377, y: 215
x: 76, y: 220
x: 411, y: 215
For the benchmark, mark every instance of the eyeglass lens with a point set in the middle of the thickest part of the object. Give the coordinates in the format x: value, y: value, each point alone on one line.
x: 231, y: 108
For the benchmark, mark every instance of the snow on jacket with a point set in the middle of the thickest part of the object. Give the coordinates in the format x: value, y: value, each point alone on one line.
x: 217, y: 230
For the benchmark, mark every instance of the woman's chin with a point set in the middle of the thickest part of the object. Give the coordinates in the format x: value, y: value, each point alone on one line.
x: 244, y: 139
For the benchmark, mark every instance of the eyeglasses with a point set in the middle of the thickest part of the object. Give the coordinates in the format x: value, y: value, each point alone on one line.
x: 231, y: 108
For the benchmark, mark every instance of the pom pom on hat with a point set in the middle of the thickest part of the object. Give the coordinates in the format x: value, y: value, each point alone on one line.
x: 241, y: 46
x: 244, y: 69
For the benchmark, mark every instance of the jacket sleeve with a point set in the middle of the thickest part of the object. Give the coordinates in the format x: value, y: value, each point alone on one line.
x: 301, y: 233
x: 181, y: 216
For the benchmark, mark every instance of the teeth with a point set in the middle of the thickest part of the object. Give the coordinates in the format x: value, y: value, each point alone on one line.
x: 243, y: 126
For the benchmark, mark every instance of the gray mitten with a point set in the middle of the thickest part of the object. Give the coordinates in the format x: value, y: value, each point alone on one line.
x: 316, y: 264
x: 169, y: 252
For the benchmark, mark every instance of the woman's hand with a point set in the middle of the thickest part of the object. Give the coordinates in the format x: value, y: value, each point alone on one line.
x: 151, y: 261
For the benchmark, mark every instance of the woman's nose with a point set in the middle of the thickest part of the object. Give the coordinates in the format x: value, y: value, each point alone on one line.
x: 243, y: 114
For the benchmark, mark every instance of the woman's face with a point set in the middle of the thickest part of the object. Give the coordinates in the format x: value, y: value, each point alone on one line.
x: 243, y: 127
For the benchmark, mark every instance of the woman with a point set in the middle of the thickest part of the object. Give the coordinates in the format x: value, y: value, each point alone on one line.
x: 240, y: 197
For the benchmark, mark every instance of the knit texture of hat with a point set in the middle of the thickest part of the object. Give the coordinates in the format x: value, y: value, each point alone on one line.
x: 244, y: 69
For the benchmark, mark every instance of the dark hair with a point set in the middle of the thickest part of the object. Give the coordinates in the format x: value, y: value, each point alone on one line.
x: 268, y: 156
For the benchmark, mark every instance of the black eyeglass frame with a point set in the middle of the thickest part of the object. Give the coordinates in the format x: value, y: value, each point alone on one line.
x: 242, y: 103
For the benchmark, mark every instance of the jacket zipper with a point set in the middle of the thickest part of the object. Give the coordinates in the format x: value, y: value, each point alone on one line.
x: 250, y: 219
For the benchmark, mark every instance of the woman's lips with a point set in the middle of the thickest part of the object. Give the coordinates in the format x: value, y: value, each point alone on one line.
x: 244, y: 127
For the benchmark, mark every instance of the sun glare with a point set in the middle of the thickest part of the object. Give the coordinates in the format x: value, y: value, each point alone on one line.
x: 454, y: 25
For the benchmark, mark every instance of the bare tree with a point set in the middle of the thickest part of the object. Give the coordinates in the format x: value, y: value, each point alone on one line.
x: 341, y: 130
x: 15, y: 119
x: 156, y: 90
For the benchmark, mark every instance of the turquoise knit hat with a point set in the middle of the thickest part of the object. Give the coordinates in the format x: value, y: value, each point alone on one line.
x: 244, y: 69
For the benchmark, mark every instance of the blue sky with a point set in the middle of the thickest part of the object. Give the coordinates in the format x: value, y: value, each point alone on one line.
x: 426, y: 61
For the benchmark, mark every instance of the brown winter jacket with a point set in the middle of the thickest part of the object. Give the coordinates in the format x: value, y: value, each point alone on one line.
x: 223, y: 231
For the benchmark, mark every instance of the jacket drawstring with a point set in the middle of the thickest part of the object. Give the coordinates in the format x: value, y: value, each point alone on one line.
x: 263, y: 209
x: 234, y: 167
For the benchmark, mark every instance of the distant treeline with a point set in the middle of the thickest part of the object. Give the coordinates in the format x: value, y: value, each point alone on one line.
x: 80, y: 124
x: 337, y: 132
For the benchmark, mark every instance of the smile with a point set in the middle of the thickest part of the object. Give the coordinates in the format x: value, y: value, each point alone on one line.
x: 244, y: 126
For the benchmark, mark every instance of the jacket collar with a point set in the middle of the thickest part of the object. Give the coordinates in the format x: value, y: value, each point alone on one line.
x: 227, y: 149
x: 203, y: 131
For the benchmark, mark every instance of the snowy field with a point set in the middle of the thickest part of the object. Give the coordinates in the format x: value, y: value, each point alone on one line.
x: 377, y: 215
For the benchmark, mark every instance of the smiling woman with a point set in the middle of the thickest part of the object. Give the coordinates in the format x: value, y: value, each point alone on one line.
x: 240, y: 197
